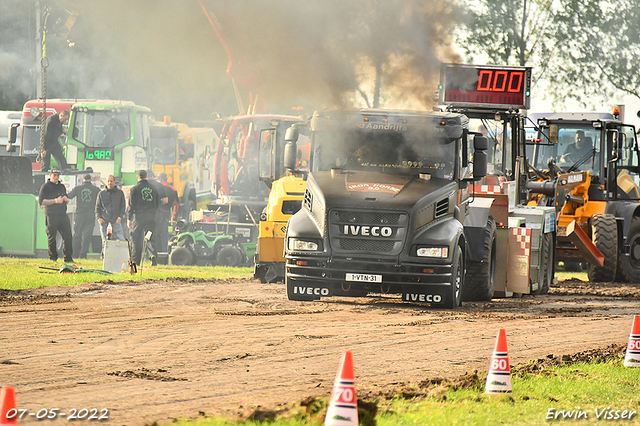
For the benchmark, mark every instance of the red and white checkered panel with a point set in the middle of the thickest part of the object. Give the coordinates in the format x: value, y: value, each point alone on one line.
x: 487, y: 189
x: 523, y: 238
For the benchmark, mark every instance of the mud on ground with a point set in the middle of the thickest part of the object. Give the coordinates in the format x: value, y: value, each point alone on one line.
x: 156, y: 351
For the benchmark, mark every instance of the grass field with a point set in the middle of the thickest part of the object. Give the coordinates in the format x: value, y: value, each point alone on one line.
x: 21, y: 274
x: 595, y: 393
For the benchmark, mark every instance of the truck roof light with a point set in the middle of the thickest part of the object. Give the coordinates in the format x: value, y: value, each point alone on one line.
x: 366, y: 119
x: 616, y: 110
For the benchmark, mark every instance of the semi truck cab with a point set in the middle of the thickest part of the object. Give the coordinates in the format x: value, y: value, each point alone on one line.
x: 384, y: 205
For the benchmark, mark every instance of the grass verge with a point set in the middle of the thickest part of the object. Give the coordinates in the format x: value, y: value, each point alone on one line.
x: 22, y: 274
x: 558, y: 391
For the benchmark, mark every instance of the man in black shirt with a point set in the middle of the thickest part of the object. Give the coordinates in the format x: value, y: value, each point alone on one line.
x: 52, y: 131
x: 85, y: 219
x: 142, y: 207
x: 53, y: 199
x: 168, y: 212
x: 163, y: 196
x: 110, y: 209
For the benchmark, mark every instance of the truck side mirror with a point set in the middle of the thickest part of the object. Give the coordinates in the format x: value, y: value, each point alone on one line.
x: 290, y: 154
x: 480, y: 159
x: 480, y: 143
x: 479, y: 165
x: 12, y: 137
x: 292, y: 134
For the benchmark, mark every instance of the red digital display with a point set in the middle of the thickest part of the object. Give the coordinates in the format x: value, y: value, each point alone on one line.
x: 485, y: 86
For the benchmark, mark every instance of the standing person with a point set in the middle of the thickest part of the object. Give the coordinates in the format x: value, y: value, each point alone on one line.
x: 52, y: 131
x: 143, y: 205
x: 85, y: 219
x: 110, y: 209
x: 53, y: 199
x: 156, y: 246
x: 168, y: 212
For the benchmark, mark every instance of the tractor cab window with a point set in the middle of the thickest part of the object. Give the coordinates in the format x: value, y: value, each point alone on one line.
x: 628, y: 165
x: 572, y: 147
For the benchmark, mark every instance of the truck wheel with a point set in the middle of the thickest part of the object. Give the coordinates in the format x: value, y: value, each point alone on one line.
x: 181, y: 256
x: 547, y: 264
x: 481, y: 276
x: 293, y: 296
x: 229, y: 256
x: 629, y: 266
x: 454, y: 298
x: 604, y: 234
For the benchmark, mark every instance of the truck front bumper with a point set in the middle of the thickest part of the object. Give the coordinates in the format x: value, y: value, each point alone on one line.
x: 324, y: 277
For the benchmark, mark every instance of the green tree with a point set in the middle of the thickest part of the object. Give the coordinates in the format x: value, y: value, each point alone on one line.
x: 509, y: 32
x: 598, y: 48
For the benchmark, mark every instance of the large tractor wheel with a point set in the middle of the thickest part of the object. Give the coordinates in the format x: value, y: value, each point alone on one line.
x: 181, y: 256
x: 604, y: 234
x: 629, y: 266
x: 454, y: 298
x: 547, y: 264
x: 481, y: 276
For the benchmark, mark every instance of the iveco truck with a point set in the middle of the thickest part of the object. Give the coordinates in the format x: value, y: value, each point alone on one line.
x: 385, y: 205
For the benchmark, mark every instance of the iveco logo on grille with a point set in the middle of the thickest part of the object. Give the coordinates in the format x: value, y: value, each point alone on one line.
x: 375, y: 231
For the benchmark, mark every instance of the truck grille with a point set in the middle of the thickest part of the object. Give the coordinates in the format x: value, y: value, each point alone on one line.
x: 357, y: 232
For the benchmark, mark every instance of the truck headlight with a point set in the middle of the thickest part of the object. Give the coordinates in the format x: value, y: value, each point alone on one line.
x: 441, y: 252
x: 295, y: 244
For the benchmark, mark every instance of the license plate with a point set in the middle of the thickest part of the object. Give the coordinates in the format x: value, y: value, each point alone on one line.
x: 365, y: 278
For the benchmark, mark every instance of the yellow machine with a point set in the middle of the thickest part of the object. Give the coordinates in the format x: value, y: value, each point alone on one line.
x: 588, y: 169
x: 186, y: 155
x: 285, y: 199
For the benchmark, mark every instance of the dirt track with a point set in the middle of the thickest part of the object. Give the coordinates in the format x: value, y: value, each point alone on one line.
x: 156, y: 351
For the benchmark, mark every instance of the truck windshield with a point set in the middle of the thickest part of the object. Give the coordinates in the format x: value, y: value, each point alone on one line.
x: 412, y: 151
x: 104, y: 129
x: 572, y: 146
x: 30, y: 140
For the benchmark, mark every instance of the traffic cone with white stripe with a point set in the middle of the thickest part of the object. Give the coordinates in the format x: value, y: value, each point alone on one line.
x: 343, y: 405
x: 499, y: 375
x: 632, y: 357
x: 8, y: 409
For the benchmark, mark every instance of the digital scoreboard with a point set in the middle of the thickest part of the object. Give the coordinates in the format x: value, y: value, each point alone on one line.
x: 99, y: 154
x: 490, y: 86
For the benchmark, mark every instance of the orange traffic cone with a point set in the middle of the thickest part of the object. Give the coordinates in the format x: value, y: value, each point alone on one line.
x: 499, y: 375
x: 632, y: 357
x: 8, y: 410
x: 343, y: 406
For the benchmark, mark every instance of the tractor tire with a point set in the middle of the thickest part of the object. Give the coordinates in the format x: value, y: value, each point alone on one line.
x: 454, y: 298
x: 547, y: 264
x: 481, y: 276
x: 181, y: 256
x: 229, y: 256
x: 604, y: 234
x: 629, y: 266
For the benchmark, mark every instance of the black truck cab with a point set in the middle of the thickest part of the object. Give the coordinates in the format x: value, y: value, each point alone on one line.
x: 384, y: 205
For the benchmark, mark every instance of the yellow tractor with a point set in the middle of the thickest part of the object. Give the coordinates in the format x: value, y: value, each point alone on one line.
x: 587, y: 166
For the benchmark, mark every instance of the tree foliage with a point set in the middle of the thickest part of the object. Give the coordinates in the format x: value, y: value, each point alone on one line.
x: 598, y: 48
x: 581, y: 48
x: 509, y: 32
